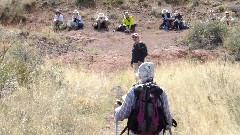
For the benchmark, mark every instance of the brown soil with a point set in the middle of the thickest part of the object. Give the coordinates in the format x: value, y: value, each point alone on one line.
x: 111, y: 51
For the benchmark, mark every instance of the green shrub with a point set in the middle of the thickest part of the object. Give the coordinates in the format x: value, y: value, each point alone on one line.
x: 156, y: 12
x: 113, y: 2
x: 194, y: 2
x: 177, y: 1
x: 235, y: 9
x: 85, y: 3
x: 221, y: 8
x: 232, y: 42
x: 13, y: 11
x: 206, y: 35
x: 18, y: 65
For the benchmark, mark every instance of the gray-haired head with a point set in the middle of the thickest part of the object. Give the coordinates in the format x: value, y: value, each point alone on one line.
x: 146, y: 72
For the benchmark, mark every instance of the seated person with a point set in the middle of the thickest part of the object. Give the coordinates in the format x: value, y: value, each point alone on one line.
x: 76, y: 21
x: 212, y: 16
x: 101, y: 22
x: 127, y: 24
x: 227, y: 18
x: 58, y: 21
x: 166, y: 20
x: 178, y: 21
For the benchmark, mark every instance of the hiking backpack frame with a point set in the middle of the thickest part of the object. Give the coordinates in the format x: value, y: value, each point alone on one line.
x: 147, y: 115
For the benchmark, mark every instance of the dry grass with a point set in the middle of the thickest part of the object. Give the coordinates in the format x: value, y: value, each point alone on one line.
x: 68, y: 100
x: 199, y: 96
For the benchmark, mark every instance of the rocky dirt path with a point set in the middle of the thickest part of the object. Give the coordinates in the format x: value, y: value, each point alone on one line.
x: 108, y: 51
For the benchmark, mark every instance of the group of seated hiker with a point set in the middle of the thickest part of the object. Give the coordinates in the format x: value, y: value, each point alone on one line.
x: 227, y: 18
x: 76, y: 22
x: 170, y: 22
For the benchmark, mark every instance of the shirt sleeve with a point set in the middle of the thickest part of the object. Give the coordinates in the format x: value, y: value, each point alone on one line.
x: 123, y: 111
x: 55, y: 18
x: 80, y: 18
x: 61, y: 18
x: 106, y: 18
x: 97, y: 18
x: 232, y: 19
x: 166, y: 109
x: 223, y: 19
x: 131, y: 22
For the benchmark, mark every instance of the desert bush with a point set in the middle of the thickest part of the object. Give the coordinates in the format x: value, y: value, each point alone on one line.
x: 18, y: 66
x: 206, y: 35
x: 232, y: 42
x: 176, y: 1
x: 194, y: 2
x: 221, y: 8
x: 235, y: 9
x: 156, y: 12
x: 13, y: 11
x: 85, y: 3
x: 113, y: 2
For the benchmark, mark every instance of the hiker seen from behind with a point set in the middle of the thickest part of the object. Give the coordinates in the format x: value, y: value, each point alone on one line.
x: 139, y: 52
x: 146, y: 105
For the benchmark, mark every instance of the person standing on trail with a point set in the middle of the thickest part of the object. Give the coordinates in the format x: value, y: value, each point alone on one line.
x: 128, y: 24
x: 139, y: 52
x: 227, y: 18
x: 58, y: 21
x: 76, y: 22
x: 131, y: 107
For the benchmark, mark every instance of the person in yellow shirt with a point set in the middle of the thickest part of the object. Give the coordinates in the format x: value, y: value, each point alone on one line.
x: 128, y: 24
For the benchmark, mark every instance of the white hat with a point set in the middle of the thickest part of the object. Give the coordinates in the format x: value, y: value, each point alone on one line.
x: 101, y: 15
x: 75, y: 11
x: 164, y: 11
x: 57, y: 11
x: 146, y: 71
x: 226, y: 12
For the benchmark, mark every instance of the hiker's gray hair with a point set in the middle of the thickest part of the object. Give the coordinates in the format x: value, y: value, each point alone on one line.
x: 146, y: 72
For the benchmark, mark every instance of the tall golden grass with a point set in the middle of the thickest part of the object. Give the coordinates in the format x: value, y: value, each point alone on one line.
x: 65, y: 99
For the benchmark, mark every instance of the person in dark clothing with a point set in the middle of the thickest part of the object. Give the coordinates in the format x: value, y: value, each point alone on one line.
x: 139, y: 52
x: 178, y: 21
x: 166, y: 20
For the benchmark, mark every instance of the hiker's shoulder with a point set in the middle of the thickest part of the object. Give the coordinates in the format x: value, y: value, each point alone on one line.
x: 141, y: 42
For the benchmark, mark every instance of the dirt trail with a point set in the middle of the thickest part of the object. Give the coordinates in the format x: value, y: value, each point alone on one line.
x: 108, y: 51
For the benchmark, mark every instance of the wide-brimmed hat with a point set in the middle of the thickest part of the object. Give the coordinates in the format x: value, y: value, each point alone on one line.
x: 226, y: 12
x: 164, y: 11
x: 75, y: 11
x: 101, y: 15
x: 57, y: 11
